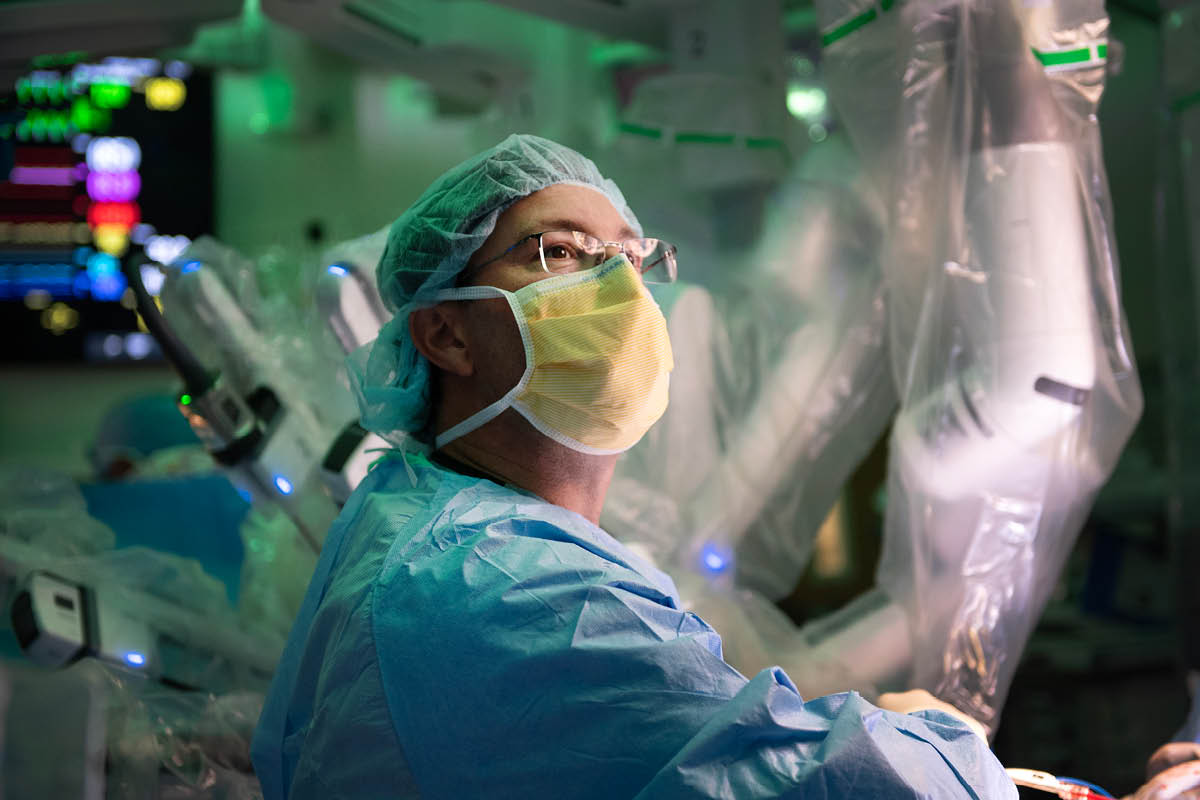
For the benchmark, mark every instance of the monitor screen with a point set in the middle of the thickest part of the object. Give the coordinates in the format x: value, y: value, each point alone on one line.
x: 106, y: 163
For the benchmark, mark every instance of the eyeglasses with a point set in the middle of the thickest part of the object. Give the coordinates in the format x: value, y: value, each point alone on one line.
x: 563, y: 252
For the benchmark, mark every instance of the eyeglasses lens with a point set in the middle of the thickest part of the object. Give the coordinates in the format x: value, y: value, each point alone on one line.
x: 572, y: 251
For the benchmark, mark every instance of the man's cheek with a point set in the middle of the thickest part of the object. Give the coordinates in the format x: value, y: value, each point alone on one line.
x: 497, y: 341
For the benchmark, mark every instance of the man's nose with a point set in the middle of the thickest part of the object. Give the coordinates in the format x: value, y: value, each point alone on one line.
x: 610, y: 250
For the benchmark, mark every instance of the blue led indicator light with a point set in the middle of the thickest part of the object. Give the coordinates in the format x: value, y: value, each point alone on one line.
x: 337, y: 269
x: 283, y: 484
x: 713, y: 560
x: 135, y: 659
x: 190, y: 266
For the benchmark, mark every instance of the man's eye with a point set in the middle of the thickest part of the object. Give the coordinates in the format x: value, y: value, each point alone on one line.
x: 559, y: 252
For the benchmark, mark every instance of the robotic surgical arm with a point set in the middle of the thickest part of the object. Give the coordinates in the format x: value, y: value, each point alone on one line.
x: 1018, y: 387
x: 284, y: 436
x: 990, y: 462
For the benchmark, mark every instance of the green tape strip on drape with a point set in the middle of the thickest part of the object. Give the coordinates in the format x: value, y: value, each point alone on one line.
x: 700, y: 137
x: 1062, y: 58
x: 854, y: 23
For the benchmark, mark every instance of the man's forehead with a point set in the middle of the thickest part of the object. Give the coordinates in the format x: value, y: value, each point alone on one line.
x: 568, y: 207
x: 571, y: 223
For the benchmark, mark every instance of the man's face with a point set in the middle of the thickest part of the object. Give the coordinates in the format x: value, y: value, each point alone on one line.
x: 495, y: 341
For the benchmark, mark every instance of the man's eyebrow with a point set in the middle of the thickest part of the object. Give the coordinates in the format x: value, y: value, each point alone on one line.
x: 567, y: 224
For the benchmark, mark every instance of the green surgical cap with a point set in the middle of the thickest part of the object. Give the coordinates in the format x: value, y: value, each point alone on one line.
x: 427, y: 248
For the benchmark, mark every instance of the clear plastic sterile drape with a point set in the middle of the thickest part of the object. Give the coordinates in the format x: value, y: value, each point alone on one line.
x: 976, y: 121
x: 780, y: 388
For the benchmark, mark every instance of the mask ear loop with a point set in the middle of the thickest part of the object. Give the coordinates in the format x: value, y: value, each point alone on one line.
x: 490, y: 412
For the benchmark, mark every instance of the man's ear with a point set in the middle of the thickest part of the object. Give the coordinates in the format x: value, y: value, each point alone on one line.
x: 439, y: 333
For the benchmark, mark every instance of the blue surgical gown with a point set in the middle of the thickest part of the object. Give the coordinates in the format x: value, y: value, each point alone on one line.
x: 462, y: 639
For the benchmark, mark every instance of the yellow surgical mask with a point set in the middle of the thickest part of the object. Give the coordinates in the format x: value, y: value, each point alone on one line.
x: 597, y: 358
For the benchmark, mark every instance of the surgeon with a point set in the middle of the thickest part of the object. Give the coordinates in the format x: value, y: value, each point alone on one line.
x: 469, y: 630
